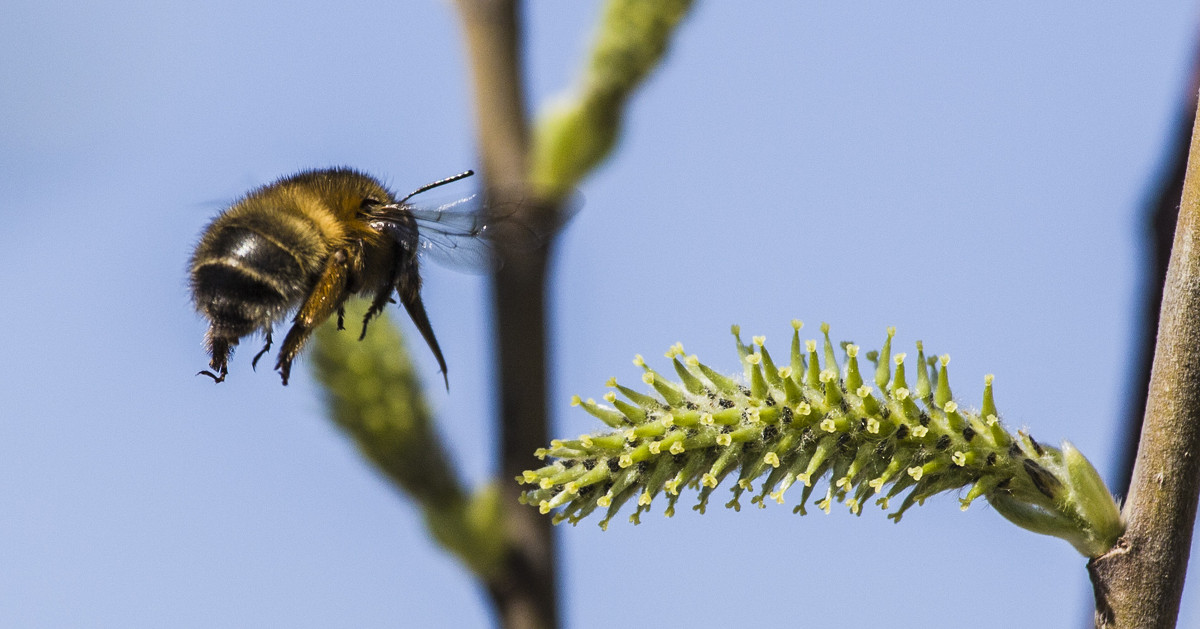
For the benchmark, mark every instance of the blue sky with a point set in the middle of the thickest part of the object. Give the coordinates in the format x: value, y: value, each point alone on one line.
x: 969, y: 173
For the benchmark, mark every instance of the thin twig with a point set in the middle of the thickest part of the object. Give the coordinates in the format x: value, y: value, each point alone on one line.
x: 524, y: 591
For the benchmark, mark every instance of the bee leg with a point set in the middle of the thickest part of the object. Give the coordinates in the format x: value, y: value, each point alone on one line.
x: 215, y: 377
x: 408, y: 283
x: 342, y: 319
x: 381, y: 299
x: 384, y: 296
x: 220, y: 359
x: 326, y: 298
x: 409, y: 288
x: 266, y: 348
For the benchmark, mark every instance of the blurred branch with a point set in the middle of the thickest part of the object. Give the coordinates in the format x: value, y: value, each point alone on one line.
x: 578, y: 131
x: 372, y: 393
x: 1140, y: 581
x: 524, y: 591
x: 493, y: 37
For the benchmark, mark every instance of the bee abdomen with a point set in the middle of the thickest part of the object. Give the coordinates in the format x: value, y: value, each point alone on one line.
x: 246, y: 247
x: 236, y: 301
x: 244, y: 280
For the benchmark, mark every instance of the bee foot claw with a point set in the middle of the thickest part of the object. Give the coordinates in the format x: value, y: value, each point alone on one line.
x: 212, y: 375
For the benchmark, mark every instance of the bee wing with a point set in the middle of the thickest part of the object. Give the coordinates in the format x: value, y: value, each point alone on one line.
x: 460, y: 234
x: 455, y: 235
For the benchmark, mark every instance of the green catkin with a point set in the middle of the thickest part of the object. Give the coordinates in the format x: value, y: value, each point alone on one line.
x: 808, y: 422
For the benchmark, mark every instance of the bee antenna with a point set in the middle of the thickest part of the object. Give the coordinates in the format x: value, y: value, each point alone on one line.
x: 440, y: 182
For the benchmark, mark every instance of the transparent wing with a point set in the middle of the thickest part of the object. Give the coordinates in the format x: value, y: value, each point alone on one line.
x: 459, y: 234
x: 456, y: 235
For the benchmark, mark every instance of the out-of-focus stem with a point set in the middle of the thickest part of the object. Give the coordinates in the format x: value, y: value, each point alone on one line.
x: 524, y: 591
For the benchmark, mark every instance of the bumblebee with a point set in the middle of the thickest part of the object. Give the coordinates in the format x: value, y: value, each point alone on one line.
x: 305, y: 244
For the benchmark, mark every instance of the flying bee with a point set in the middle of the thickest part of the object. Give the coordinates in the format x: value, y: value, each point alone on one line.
x: 308, y: 242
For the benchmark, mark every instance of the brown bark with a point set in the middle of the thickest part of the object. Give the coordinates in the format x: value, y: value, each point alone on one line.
x: 524, y: 591
x: 1162, y: 210
x: 1140, y: 581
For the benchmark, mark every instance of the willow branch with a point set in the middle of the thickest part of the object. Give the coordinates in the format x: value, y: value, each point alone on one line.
x: 493, y: 33
x: 633, y: 37
x: 1161, y: 212
x: 524, y: 591
x: 1139, y: 582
